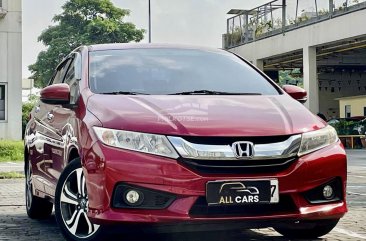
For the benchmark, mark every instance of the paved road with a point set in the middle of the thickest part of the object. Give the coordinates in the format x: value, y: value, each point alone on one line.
x: 14, y: 224
x: 12, y: 167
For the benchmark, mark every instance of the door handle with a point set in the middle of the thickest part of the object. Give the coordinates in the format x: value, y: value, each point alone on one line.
x: 50, y: 116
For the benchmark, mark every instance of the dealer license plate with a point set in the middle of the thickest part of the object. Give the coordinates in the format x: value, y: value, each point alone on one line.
x: 242, y: 192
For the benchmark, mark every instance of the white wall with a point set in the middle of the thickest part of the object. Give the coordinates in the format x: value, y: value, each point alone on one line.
x: 357, y: 104
x: 348, y: 84
x: 11, y: 68
x: 303, y: 39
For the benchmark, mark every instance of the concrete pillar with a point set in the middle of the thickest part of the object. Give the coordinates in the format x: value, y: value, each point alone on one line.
x: 259, y: 63
x: 310, y: 78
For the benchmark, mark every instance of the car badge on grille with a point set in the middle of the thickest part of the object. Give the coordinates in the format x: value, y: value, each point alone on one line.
x: 243, y: 149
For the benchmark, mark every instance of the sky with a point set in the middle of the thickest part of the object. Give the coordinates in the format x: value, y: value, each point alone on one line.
x: 195, y: 22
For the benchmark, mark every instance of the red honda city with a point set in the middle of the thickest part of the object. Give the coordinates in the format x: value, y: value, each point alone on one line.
x: 175, y: 137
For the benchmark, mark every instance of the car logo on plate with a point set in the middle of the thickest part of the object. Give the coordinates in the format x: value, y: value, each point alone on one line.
x: 237, y: 193
x: 238, y: 187
x: 243, y: 149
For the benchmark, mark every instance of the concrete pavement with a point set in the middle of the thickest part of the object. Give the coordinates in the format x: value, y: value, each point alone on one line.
x: 12, y: 167
x: 15, y: 225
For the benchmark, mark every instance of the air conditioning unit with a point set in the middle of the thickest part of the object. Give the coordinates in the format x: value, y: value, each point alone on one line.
x: 3, y: 12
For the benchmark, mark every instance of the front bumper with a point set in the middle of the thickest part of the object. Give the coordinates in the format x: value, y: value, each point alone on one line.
x: 105, y: 167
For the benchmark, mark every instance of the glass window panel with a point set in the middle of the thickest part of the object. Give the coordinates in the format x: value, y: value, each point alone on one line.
x: 2, y: 102
x: 168, y: 71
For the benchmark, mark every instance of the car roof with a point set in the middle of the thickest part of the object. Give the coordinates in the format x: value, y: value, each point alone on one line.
x: 121, y: 46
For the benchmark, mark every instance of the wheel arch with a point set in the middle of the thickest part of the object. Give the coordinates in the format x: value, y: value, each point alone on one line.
x: 73, y: 154
x: 26, y: 158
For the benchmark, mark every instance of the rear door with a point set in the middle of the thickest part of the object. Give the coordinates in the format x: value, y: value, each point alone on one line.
x: 63, y: 127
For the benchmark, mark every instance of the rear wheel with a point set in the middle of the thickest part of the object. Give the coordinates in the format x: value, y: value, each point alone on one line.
x: 71, y: 206
x: 37, y: 208
x: 308, y: 230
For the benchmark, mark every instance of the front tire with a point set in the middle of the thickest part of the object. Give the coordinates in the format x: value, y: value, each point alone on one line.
x: 37, y: 208
x: 71, y: 206
x: 315, y: 230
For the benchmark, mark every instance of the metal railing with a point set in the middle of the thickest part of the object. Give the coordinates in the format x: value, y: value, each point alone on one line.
x: 280, y: 16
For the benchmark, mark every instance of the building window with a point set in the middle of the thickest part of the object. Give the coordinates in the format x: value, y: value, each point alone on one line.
x: 2, y: 102
x: 364, y: 111
x: 347, y: 111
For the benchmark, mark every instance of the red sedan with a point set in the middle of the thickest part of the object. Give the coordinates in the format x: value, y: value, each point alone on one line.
x: 178, y: 137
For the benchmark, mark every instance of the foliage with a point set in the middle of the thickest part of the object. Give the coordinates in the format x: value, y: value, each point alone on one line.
x: 26, y: 110
x: 277, y: 23
x: 234, y: 37
x: 263, y: 27
x: 323, y: 12
x: 236, y: 34
x: 343, y: 6
x: 82, y: 22
x: 293, y: 77
x: 345, y: 127
x: 299, y: 19
x: 11, y: 150
x: 302, y: 18
x: 11, y: 175
x: 362, y: 126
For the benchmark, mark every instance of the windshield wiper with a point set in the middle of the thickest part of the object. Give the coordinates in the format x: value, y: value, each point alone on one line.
x: 212, y: 92
x: 124, y: 93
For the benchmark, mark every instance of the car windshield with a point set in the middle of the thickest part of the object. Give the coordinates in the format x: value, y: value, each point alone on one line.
x: 160, y: 71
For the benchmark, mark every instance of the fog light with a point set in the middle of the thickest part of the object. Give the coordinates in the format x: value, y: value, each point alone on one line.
x: 328, y: 192
x: 134, y: 197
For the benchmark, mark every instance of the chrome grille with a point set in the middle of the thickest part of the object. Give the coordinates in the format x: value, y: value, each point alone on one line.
x: 215, y: 155
x: 224, y: 151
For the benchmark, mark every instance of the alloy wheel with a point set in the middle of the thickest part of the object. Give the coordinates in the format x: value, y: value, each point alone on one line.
x: 74, y: 206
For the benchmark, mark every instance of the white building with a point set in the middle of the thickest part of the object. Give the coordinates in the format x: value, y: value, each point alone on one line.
x: 10, y: 69
x: 29, y: 90
x: 326, y: 40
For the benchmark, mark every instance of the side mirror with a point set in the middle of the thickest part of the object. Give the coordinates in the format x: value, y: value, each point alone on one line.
x: 296, y: 92
x: 57, y: 94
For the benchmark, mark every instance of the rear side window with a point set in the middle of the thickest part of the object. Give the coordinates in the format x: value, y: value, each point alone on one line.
x: 168, y: 71
x: 71, y: 80
x: 60, y: 73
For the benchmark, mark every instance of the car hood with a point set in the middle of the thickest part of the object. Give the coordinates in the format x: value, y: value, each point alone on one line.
x: 204, y: 115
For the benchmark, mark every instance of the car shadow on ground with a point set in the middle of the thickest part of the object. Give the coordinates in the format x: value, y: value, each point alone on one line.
x: 20, y: 227
x: 239, y: 235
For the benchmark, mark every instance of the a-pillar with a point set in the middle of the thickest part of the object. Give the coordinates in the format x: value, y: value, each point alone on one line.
x: 310, y: 79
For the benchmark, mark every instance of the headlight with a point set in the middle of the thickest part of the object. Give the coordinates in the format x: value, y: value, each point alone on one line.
x: 315, y: 140
x: 136, y: 141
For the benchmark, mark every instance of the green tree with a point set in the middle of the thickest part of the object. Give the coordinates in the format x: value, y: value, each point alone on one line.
x: 82, y: 22
x: 27, y: 109
x: 292, y: 77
